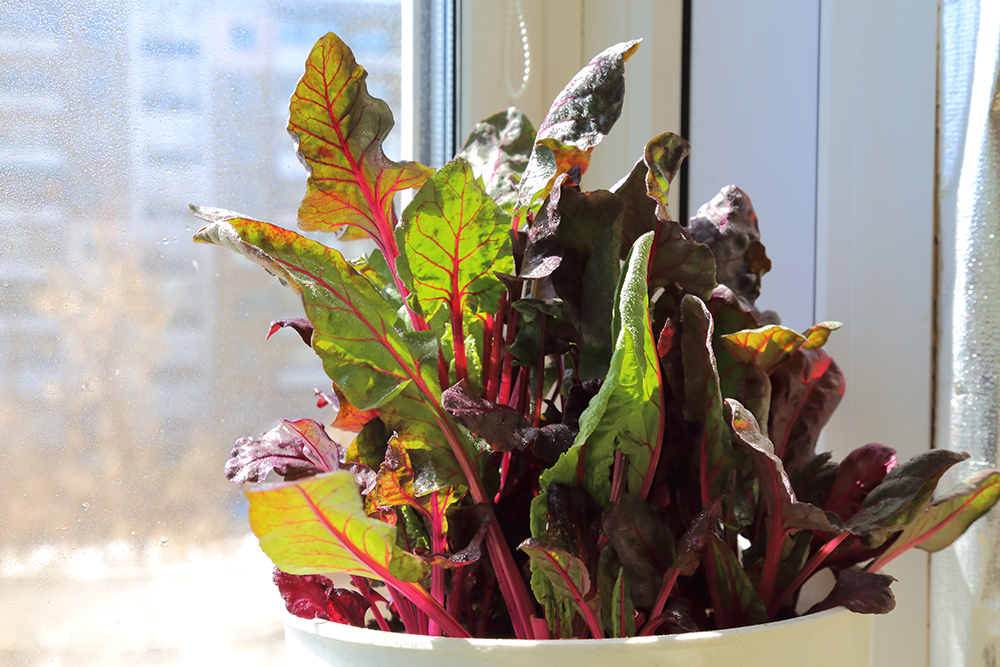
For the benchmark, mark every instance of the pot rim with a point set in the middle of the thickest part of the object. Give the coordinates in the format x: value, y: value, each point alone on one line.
x: 355, y: 635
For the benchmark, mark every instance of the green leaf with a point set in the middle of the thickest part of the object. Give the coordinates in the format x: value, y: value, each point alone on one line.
x: 498, y: 150
x: 361, y: 351
x: 318, y: 526
x: 740, y: 603
x: 455, y: 238
x: 565, y: 574
x: 902, y: 496
x: 625, y: 414
x: 946, y: 519
x: 622, y: 609
x: 339, y: 130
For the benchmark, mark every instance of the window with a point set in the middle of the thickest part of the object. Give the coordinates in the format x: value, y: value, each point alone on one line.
x: 131, y: 358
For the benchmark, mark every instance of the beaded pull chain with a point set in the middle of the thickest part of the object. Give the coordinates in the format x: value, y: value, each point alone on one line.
x: 514, y: 7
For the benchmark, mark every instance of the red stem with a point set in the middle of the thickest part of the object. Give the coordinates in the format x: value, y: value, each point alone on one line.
x: 806, y: 572
x: 775, y: 536
x: 458, y: 340
x: 503, y: 395
x: 496, y: 349
x: 361, y: 583
x: 668, y: 585
x: 488, y: 325
x: 439, y: 545
x: 617, y: 477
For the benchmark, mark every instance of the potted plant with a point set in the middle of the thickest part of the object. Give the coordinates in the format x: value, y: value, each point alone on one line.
x: 572, y: 422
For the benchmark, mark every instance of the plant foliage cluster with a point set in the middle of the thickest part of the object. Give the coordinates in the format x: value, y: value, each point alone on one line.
x: 571, y: 419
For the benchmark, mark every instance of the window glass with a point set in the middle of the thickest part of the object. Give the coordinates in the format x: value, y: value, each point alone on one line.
x: 131, y: 359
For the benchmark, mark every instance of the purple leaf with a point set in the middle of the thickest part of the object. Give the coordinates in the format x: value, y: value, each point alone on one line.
x: 502, y: 427
x: 728, y: 225
x: 860, y: 591
x: 292, y: 449
x: 643, y: 542
x: 302, y: 326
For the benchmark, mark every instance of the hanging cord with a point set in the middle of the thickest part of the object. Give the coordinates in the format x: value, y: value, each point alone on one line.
x: 515, y: 12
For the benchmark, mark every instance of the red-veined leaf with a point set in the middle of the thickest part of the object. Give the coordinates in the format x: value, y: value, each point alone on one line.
x: 318, y: 526
x: 946, y: 519
x: 771, y: 345
x: 739, y: 603
x: 567, y: 575
x: 860, y: 591
x: 339, y: 130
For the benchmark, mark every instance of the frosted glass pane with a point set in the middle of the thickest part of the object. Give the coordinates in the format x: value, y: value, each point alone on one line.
x: 130, y: 358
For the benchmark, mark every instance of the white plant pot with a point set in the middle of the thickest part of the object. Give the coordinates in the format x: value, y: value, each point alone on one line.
x: 833, y: 638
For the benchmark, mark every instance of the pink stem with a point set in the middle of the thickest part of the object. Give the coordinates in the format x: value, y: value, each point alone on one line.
x: 806, y: 572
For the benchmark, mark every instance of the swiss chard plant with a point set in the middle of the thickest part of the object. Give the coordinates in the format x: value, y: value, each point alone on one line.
x: 570, y: 418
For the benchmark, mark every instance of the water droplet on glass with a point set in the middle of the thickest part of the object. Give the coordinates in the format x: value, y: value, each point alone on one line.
x: 86, y: 506
x: 163, y: 541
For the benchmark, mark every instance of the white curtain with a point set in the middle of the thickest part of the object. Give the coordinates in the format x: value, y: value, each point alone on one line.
x: 965, y: 580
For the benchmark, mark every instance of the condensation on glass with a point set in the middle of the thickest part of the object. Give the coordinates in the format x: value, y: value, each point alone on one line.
x: 965, y: 580
x: 130, y: 358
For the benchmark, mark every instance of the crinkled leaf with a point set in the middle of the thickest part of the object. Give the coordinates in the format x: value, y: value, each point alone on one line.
x: 374, y: 267
x: 663, y: 157
x: 804, y: 393
x: 676, y: 256
x: 291, y: 449
x: 455, y: 237
x: 728, y: 225
x: 339, y: 129
x: 580, y: 117
x: 944, y: 521
x: 902, y: 496
x: 318, y: 526
x: 643, y: 542
x: 498, y: 149
x: 312, y: 596
x: 860, y: 591
x: 372, y: 363
x: 741, y: 605
x: 589, y: 232
x: 861, y: 471
x: 771, y: 345
x: 501, y: 426
x: 573, y: 522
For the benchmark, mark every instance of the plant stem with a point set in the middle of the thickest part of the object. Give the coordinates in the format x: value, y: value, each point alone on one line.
x: 458, y: 340
x: 775, y: 537
x: 365, y: 589
x: 536, y: 419
x: 661, y: 598
x: 504, y: 394
x: 496, y: 349
x: 439, y: 544
x: 804, y: 575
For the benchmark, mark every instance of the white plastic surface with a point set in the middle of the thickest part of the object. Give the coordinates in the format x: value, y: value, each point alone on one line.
x: 833, y: 638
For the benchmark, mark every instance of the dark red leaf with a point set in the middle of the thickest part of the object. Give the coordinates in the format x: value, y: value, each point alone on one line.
x: 857, y: 475
x: 314, y: 596
x: 861, y: 592
x: 301, y: 325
